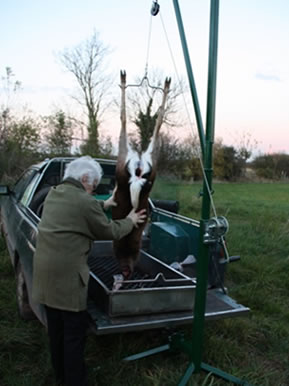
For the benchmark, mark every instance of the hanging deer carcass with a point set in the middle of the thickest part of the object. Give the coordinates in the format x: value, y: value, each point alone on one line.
x: 135, y: 175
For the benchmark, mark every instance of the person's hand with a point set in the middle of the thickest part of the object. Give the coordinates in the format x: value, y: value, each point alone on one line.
x: 137, y: 217
x: 109, y: 202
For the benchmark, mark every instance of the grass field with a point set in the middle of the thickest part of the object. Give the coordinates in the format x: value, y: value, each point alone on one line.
x: 254, y: 348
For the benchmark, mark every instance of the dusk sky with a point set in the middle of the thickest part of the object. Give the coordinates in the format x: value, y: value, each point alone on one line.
x: 253, y: 57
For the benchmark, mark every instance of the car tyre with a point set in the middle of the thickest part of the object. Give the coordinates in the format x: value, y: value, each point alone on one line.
x: 24, y: 309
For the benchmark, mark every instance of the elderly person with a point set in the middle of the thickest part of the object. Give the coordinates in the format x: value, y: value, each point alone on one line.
x: 71, y: 220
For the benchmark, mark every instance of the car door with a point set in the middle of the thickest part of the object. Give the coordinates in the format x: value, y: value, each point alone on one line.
x: 10, y: 209
x: 26, y: 229
x: 21, y: 230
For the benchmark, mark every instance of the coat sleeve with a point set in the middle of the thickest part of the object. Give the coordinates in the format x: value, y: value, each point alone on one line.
x: 100, y: 227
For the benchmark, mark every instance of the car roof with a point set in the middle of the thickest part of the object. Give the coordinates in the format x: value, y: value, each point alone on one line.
x: 47, y: 161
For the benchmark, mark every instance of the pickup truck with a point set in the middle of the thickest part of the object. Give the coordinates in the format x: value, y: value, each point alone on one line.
x: 162, y: 292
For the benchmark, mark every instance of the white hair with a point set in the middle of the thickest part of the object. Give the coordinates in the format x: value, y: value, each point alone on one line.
x: 84, y: 166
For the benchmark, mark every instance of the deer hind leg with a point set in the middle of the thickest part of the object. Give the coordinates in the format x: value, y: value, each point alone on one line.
x: 161, y: 111
x: 150, y: 155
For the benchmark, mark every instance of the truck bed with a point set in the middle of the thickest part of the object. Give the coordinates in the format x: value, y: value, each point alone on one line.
x: 218, y: 304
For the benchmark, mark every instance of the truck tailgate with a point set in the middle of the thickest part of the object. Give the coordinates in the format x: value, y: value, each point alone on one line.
x: 218, y: 306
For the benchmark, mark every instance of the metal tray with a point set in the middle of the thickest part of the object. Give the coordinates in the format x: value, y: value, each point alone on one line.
x: 154, y: 288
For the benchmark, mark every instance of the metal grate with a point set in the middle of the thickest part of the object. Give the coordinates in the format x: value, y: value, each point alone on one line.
x: 105, y: 267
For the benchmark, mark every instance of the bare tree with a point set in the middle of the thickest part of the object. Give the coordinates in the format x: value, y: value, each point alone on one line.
x: 86, y: 62
x: 8, y: 88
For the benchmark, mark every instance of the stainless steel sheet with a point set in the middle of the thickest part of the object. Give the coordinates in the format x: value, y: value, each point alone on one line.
x: 154, y: 287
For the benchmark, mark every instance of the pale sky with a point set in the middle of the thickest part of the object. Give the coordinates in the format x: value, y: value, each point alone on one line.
x: 253, y: 57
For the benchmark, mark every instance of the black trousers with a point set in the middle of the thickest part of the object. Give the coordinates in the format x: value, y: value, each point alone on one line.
x: 67, y: 336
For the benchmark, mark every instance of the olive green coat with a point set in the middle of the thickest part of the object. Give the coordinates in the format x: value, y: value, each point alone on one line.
x: 71, y: 220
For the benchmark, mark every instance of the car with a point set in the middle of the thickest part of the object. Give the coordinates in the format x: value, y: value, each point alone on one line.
x: 163, y: 293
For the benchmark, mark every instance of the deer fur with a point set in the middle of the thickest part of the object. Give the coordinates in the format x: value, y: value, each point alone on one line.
x: 135, y: 175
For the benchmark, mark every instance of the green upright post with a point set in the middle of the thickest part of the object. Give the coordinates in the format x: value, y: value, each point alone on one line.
x: 203, y: 257
x: 207, y: 147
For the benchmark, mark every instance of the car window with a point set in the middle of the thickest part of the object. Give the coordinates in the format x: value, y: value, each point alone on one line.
x: 23, y: 182
x: 27, y: 192
x: 107, y: 182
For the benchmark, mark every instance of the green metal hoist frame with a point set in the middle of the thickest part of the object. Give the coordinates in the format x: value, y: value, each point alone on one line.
x: 194, y: 348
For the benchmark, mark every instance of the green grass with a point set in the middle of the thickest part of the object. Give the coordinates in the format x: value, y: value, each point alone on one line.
x: 254, y: 348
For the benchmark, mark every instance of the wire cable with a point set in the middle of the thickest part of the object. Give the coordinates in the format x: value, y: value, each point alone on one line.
x: 148, y: 46
x: 193, y: 131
